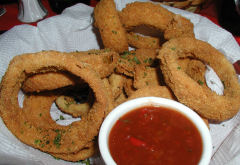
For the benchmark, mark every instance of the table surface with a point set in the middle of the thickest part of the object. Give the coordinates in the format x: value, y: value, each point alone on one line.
x: 9, y: 19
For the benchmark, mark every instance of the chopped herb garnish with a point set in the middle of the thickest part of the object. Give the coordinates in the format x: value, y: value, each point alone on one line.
x: 55, y: 158
x: 57, y: 138
x: 114, y: 32
x: 136, y: 37
x: 86, y: 162
x: 107, y: 50
x: 40, y: 114
x: 126, y: 53
x: 61, y: 117
x: 37, y: 141
x: 173, y: 48
x: 178, y: 67
x: 124, y: 56
x: 145, y: 74
x: 200, y: 82
x: 148, y: 60
x: 135, y: 59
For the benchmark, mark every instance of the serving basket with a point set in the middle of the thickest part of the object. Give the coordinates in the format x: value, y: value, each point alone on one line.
x: 190, y: 5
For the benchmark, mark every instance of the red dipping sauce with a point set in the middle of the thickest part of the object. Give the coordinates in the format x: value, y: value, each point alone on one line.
x: 155, y: 136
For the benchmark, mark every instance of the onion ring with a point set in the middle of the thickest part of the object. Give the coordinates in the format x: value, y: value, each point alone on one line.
x: 36, y: 109
x: 154, y: 15
x: 102, y: 61
x: 204, y: 101
x: 59, y: 140
x: 139, y: 41
x: 107, y: 21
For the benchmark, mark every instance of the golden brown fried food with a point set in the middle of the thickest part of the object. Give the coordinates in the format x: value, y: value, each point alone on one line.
x: 70, y: 106
x: 109, y: 93
x: 130, y: 59
x: 67, y: 139
x: 153, y: 15
x: 194, y: 69
x: 120, y: 99
x: 36, y: 108
x: 126, y: 63
x: 204, y: 101
x: 41, y: 82
x: 128, y: 86
x: 155, y: 90
x: 107, y: 21
x: 179, y: 27
x: 102, y: 61
x: 76, y: 101
x: 116, y: 83
x: 139, y: 41
x: 145, y: 76
x: 86, y: 152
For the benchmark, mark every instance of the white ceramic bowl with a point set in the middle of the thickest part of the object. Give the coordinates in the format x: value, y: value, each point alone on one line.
x: 153, y: 101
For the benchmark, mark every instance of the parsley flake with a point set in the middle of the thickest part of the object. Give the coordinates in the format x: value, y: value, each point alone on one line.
x: 135, y: 59
x: 114, y: 32
x: 200, y: 82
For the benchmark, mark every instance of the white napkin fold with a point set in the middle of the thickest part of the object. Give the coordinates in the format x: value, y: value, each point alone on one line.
x: 73, y: 30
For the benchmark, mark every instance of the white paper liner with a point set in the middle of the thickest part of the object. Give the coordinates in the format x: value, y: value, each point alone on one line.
x: 73, y: 30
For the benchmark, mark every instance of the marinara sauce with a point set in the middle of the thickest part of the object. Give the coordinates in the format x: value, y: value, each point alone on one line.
x: 155, y: 136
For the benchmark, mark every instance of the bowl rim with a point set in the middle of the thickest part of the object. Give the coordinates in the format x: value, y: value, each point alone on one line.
x: 133, y: 104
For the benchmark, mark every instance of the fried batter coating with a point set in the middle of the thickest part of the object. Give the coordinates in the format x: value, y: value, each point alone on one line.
x: 86, y: 152
x: 69, y: 105
x: 128, y: 86
x: 76, y: 101
x: 102, y: 61
x: 155, y: 90
x: 61, y: 139
x: 153, y: 15
x: 145, y: 76
x: 120, y: 99
x: 36, y: 109
x: 194, y: 69
x: 109, y: 93
x: 107, y: 21
x: 138, y: 41
x: 116, y: 83
x: 130, y: 59
x: 204, y: 101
